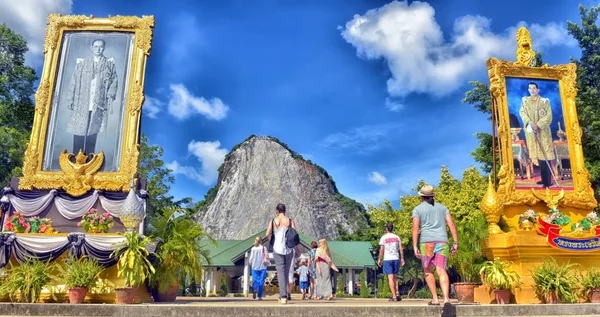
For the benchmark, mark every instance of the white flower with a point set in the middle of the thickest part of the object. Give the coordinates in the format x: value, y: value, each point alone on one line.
x: 592, y: 217
x: 530, y: 213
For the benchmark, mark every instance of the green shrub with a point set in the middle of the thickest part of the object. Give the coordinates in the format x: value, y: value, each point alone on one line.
x: 28, y: 279
x: 552, y: 277
x: 223, y: 288
x: 364, y: 291
x: 81, y: 272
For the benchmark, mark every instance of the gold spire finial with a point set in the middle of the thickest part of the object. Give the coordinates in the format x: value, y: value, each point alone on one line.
x: 492, y: 206
x: 525, y: 53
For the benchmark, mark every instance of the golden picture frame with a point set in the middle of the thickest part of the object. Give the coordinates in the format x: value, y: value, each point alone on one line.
x: 86, y: 125
x: 512, y: 85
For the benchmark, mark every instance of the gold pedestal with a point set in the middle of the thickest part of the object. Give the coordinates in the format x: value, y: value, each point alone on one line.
x: 528, y: 249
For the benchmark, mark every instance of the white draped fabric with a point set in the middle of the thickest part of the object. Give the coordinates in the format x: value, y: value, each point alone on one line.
x: 69, y: 209
x: 39, y: 244
x: 105, y: 243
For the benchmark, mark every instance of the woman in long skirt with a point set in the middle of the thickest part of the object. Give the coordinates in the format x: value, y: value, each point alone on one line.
x: 323, y: 263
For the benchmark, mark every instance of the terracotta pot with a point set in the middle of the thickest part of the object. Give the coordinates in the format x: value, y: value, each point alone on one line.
x: 169, y: 296
x: 125, y: 295
x: 77, y: 294
x: 502, y: 296
x: 551, y: 298
x: 595, y: 295
x: 465, y: 292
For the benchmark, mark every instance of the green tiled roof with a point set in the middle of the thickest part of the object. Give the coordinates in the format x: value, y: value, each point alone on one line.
x: 345, y: 254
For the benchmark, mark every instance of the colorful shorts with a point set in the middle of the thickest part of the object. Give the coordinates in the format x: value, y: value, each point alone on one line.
x: 434, y: 253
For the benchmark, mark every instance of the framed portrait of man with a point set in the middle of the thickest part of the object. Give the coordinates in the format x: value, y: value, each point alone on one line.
x: 539, y: 133
x: 88, y: 106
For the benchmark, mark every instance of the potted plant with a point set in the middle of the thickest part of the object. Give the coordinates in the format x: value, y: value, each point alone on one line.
x: 94, y: 222
x: 527, y: 220
x: 554, y: 283
x: 78, y: 275
x: 180, y: 256
x: 590, y: 284
x: 26, y: 280
x: 21, y: 224
x: 133, y: 265
x: 469, y: 259
x: 587, y: 224
x: 500, y: 278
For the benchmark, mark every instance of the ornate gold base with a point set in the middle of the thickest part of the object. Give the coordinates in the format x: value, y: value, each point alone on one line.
x: 528, y: 249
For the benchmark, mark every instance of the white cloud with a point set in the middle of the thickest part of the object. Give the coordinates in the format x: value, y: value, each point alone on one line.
x: 209, y: 154
x: 152, y: 107
x: 362, y: 139
x: 28, y: 18
x: 377, y: 178
x: 393, y: 105
x: 419, y: 58
x: 183, y: 105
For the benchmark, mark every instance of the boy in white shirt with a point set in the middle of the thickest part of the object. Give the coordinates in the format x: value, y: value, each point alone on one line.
x: 393, y: 257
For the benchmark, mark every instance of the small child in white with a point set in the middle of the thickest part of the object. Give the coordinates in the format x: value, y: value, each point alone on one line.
x: 303, y: 272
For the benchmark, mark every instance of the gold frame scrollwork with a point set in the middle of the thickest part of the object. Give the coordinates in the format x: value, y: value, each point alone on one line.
x: 582, y: 196
x: 77, y: 180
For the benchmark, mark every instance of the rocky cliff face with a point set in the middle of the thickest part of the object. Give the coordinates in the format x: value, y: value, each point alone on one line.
x: 262, y: 172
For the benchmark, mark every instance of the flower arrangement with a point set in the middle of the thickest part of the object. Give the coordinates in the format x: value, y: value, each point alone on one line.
x: 585, y: 224
x: 556, y: 217
x: 528, y: 216
x: 96, y: 222
x: 21, y: 224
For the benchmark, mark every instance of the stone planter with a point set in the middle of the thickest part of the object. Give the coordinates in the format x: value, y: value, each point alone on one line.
x: 169, y: 296
x: 125, y: 295
x: 502, y: 296
x: 77, y: 294
x: 465, y: 292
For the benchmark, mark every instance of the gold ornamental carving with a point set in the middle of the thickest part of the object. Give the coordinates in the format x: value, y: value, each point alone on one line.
x: 79, y: 175
x: 525, y: 53
x: 492, y: 207
x: 582, y: 195
x: 552, y: 200
x: 76, y: 179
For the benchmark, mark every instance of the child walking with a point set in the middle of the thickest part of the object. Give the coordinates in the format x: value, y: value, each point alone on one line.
x: 303, y: 272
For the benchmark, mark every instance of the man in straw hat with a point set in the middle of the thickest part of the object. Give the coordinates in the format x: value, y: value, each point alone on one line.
x: 433, y: 246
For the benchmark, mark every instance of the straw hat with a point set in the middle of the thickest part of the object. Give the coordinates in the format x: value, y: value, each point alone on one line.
x: 426, y: 191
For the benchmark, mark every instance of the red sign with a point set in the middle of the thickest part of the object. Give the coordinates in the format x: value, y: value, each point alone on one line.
x: 552, y: 233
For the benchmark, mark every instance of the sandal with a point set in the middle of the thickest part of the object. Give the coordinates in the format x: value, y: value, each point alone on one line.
x: 431, y: 303
x: 393, y: 299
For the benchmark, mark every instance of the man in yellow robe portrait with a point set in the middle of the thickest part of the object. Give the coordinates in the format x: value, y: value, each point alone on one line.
x: 537, y: 115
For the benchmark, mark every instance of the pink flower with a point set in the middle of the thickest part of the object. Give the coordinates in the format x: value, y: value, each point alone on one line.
x: 97, y: 217
x: 101, y: 222
x: 92, y: 222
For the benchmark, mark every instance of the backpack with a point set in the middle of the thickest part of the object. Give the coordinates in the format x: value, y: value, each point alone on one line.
x: 291, y: 237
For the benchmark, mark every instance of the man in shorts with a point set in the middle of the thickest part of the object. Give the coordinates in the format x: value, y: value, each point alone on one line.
x: 433, y: 248
x: 393, y: 257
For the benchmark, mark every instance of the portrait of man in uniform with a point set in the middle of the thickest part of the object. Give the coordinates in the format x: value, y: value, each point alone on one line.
x: 539, y: 148
x: 536, y: 115
x: 90, y: 97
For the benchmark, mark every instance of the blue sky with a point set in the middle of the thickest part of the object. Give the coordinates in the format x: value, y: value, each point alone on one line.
x: 369, y: 90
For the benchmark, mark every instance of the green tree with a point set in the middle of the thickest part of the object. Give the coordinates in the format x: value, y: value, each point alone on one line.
x: 364, y: 290
x: 16, y: 104
x: 158, y: 179
x: 587, y: 35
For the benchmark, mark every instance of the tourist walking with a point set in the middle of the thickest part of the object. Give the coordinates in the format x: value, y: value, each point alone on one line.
x: 303, y: 276
x: 431, y: 218
x: 259, y: 260
x: 324, y: 263
x: 393, y: 257
x: 283, y: 256
x: 312, y: 269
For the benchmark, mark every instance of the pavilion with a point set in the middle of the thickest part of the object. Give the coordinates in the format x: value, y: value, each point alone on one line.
x: 230, y: 259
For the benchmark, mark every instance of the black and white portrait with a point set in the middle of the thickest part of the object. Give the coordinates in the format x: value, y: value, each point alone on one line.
x: 90, y: 92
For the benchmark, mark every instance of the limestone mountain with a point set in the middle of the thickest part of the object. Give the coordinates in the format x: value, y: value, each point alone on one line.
x: 261, y: 172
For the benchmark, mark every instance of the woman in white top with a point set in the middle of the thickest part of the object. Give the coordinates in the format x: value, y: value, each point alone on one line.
x: 258, y: 257
x: 281, y: 253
